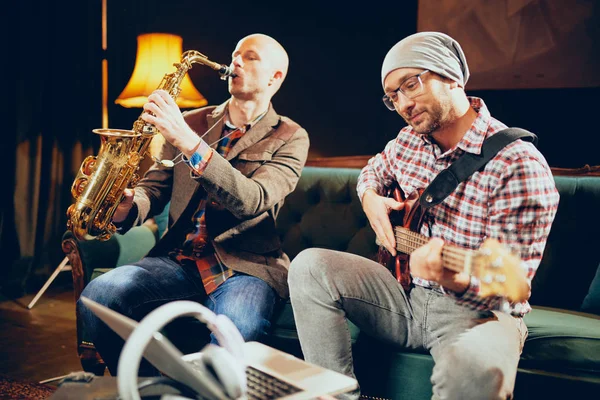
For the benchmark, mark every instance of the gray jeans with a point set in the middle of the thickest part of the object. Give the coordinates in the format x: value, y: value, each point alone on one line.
x: 475, y: 352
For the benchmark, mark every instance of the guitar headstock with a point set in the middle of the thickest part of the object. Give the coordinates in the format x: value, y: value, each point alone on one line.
x: 499, y: 272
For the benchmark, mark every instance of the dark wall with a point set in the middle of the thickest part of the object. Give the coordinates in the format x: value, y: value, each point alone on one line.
x: 333, y: 88
x: 335, y: 51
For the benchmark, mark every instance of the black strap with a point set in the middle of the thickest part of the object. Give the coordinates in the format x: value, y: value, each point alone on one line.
x: 468, y: 163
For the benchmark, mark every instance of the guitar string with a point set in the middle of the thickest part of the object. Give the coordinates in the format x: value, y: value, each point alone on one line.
x: 457, y: 260
x: 407, y: 241
x: 451, y: 253
x: 417, y: 240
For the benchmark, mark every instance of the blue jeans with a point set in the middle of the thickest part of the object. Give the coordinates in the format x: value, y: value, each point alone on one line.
x: 135, y: 290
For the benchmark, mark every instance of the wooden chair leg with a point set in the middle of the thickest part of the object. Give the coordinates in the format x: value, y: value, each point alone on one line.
x: 88, y: 356
x: 90, y: 359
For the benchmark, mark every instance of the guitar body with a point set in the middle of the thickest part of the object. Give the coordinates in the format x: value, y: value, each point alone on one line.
x: 410, y: 217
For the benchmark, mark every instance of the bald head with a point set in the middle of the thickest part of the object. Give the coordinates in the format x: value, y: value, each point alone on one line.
x: 273, y: 51
x: 261, y: 65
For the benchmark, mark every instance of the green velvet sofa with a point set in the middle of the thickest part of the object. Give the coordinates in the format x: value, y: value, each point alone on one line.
x: 561, y: 356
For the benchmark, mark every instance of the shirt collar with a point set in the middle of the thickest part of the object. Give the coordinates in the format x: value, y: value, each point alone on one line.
x: 472, y: 141
x: 230, y: 126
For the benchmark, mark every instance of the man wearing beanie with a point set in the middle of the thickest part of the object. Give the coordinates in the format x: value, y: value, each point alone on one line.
x: 475, y: 341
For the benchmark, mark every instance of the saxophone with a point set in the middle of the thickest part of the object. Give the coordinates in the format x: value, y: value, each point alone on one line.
x: 99, y: 184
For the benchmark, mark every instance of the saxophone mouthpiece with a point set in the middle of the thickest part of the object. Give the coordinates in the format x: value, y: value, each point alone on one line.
x: 226, y: 72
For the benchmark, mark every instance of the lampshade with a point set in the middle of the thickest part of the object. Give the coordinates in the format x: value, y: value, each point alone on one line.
x: 156, y: 54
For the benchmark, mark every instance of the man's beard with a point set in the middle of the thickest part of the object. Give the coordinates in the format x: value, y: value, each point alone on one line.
x: 435, y: 122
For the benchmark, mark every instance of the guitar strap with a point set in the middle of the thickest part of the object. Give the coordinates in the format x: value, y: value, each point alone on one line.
x: 447, y: 180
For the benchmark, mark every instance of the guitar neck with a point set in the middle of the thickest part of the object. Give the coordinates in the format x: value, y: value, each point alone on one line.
x: 454, y: 258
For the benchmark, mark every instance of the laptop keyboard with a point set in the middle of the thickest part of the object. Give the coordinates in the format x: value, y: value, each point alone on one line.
x: 262, y: 386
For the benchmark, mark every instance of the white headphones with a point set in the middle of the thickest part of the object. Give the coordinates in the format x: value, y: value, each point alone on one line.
x: 222, y: 370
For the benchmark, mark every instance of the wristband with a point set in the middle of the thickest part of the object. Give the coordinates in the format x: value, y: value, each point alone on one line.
x: 197, y: 162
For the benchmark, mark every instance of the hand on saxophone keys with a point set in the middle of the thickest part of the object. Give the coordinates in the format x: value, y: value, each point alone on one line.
x: 163, y: 112
x: 124, y: 206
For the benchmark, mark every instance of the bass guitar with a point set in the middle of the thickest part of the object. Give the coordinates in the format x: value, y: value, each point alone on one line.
x: 498, y: 269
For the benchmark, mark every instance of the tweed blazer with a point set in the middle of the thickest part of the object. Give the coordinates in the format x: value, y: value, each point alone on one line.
x: 244, y: 192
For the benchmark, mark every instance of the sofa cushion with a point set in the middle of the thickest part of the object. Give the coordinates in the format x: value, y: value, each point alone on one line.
x: 558, y: 340
x: 562, y: 341
x: 135, y: 244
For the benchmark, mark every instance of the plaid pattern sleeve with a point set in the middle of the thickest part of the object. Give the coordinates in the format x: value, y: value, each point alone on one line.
x: 382, y: 169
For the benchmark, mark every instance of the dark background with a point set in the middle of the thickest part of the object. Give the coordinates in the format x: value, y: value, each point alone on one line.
x: 52, y: 86
x: 333, y: 88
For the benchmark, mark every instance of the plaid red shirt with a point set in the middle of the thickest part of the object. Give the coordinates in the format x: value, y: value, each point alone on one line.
x: 514, y: 199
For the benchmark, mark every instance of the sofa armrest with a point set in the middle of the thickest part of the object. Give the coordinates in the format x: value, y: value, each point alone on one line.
x: 85, y: 256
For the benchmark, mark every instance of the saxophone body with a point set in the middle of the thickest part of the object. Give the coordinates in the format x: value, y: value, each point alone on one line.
x: 99, y: 184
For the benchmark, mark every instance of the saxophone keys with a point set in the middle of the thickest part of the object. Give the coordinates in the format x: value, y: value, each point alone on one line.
x: 79, y: 186
x: 88, y: 166
x: 134, y: 180
x: 134, y: 159
x: 110, y: 230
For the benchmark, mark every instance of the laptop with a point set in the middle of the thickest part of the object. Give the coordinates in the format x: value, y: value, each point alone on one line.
x: 299, y: 379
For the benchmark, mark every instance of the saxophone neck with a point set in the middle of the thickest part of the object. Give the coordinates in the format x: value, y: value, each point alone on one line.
x: 195, y: 57
x: 192, y: 56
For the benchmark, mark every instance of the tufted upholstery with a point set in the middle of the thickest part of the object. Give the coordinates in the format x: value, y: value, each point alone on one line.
x: 324, y: 211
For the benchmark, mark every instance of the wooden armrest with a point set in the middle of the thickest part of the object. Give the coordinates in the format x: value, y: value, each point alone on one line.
x: 71, y: 250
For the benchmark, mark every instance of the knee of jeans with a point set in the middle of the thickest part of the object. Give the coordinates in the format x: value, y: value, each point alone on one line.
x: 109, y: 290
x: 305, y: 267
x: 251, y: 324
x: 485, y: 379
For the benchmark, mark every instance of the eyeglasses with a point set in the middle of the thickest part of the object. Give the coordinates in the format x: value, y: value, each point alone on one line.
x: 411, y: 87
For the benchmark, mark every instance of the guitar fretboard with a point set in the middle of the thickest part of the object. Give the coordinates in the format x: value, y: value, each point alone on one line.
x: 454, y: 258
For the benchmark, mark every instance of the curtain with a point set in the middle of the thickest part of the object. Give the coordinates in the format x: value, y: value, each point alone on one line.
x: 57, y: 92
